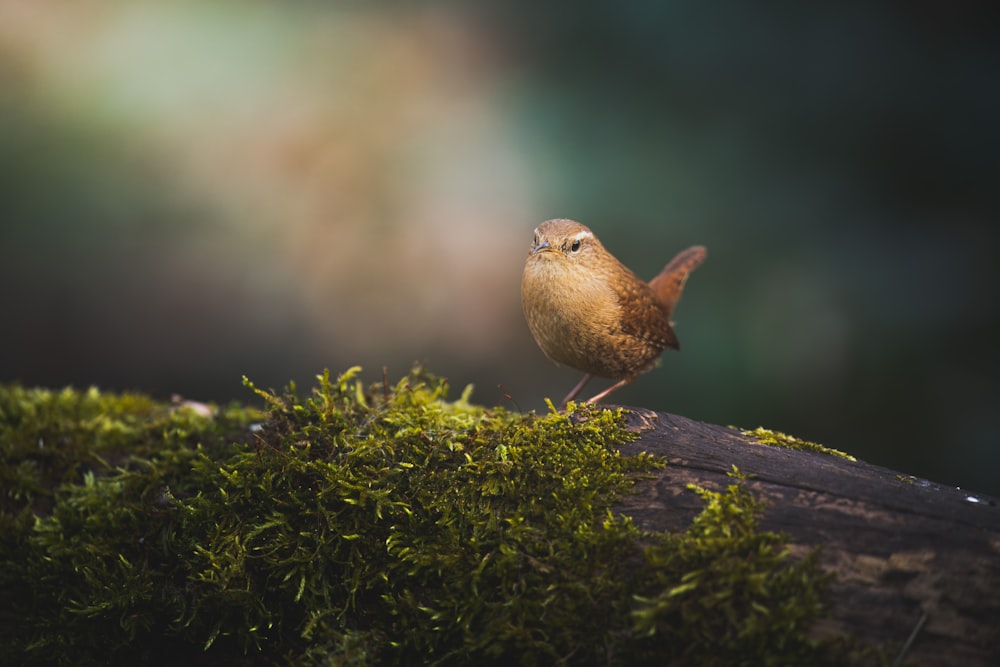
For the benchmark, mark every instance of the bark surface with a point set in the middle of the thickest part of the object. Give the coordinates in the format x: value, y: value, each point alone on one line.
x: 909, y: 555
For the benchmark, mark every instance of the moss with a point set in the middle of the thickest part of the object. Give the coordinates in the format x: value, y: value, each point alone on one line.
x: 49, y: 438
x: 371, y: 525
x: 739, y: 593
x: 778, y: 439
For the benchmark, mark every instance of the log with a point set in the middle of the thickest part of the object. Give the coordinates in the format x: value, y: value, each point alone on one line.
x: 912, y: 560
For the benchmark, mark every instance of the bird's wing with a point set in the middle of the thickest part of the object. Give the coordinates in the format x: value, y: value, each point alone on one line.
x: 645, y: 319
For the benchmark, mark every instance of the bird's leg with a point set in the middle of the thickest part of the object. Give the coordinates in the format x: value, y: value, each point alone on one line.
x: 576, y: 390
x: 600, y: 395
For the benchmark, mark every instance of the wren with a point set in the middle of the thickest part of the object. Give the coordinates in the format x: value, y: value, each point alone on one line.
x: 587, y: 310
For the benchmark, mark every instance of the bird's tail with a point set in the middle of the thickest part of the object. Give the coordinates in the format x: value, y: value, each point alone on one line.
x: 669, y: 283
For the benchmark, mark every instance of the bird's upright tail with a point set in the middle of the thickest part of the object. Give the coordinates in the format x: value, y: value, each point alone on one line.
x: 669, y: 283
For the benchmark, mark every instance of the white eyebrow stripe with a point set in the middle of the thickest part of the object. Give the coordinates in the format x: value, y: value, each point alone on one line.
x: 579, y: 236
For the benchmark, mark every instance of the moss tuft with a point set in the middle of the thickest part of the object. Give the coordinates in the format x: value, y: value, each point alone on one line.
x: 738, y: 592
x: 369, y: 525
x: 766, y: 436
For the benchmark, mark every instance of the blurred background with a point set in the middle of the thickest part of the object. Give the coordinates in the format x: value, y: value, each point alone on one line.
x: 195, y: 190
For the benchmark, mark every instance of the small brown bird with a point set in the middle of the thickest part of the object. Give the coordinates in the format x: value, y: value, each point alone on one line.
x: 587, y: 310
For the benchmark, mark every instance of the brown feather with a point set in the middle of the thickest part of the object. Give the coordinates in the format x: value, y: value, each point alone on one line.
x: 669, y: 283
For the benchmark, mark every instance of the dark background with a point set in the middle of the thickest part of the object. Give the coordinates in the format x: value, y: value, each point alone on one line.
x: 193, y: 191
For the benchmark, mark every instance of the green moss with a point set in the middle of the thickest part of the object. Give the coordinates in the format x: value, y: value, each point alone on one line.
x: 371, y: 525
x: 49, y: 438
x: 766, y: 436
x: 739, y: 592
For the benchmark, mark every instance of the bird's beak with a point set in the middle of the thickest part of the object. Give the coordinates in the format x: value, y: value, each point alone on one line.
x: 544, y: 245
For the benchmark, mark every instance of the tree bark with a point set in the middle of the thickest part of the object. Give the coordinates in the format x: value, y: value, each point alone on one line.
x: 910, y: 557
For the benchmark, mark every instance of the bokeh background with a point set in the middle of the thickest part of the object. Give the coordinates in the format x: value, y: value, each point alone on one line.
x: 195, y: 190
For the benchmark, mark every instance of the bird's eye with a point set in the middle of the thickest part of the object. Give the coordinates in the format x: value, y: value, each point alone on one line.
x: 575, y: 247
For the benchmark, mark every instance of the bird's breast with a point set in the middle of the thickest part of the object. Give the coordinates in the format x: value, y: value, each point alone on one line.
x: 573, y: 315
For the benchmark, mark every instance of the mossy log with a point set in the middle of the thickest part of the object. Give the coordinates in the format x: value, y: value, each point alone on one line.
x: 911, y: 558
x: 387, y: 525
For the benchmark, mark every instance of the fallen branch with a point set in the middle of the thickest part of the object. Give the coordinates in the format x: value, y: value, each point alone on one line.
x: 911, y: 558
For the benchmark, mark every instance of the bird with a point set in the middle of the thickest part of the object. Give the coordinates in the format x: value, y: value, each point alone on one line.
x: 589, y: 311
